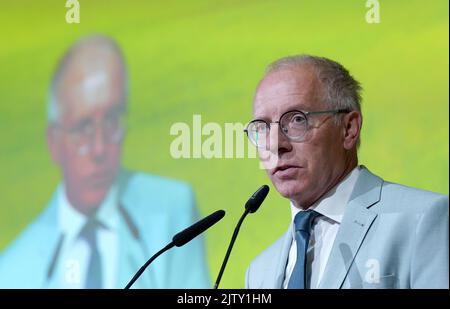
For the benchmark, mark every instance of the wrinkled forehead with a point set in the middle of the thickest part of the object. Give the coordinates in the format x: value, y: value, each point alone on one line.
x: 285, y: 90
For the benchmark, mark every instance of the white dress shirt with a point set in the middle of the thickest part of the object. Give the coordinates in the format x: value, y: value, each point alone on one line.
x: 324, y: 230
x: 74, y: 256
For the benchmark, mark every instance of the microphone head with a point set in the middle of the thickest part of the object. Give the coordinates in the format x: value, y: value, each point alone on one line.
x: 256, y: 199
x: 197, y: 228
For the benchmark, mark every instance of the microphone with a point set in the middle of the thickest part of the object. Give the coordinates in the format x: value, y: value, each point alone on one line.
x: 256, y: 199
x: 181, y: 239
x: 251, y: 206
x: 196, y: 229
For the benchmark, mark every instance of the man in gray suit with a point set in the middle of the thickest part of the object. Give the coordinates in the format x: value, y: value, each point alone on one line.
x: 350, y: 228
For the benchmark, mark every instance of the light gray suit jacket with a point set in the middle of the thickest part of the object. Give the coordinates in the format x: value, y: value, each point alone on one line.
x: 391, y: 236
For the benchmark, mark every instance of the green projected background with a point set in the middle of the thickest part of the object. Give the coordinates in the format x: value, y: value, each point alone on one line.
x: 205, y: 57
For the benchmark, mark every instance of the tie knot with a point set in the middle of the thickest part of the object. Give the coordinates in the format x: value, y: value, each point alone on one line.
x: 89, y: 230
x: 304, y: 219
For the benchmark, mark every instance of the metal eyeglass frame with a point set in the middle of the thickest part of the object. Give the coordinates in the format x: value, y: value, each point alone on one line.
x: 304, y: 113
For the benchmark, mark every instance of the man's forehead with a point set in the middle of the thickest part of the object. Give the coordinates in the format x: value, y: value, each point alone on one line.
x: 286, y: 89
x: 86, y: 89
x: 73, y: 114
x: 287, y: 81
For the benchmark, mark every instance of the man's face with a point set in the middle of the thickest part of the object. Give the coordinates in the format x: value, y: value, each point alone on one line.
x: 304, y: 170
x: 87, y: 142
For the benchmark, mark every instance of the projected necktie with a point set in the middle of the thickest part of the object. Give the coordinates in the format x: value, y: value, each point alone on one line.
x: 94, y: 270
x: 302, y: 224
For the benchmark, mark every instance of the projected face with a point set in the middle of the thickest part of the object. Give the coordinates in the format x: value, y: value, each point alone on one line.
x: 86, y: 142
x: 308, y: 168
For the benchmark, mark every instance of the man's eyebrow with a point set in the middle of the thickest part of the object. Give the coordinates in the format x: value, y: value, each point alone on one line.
x: 293, y: 108
x: 84, y: 121
x: 261, y: 118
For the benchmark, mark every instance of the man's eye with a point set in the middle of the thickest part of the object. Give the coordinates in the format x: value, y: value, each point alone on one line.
x: 259, y: 127
x: 84, y: 128
x: 262, y: 129
x: 298, y: 119
x: 113, y: 120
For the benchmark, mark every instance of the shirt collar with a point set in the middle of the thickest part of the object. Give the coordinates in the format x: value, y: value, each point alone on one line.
x: 71, y: 221
x: 332, y: 204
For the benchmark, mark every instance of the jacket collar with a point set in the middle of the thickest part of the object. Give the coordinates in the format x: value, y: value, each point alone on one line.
x: 357, y: 220
x: 355, y: 224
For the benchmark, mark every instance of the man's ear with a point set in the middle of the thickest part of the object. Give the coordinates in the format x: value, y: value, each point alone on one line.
x: 53, y: 140
x: 352, y: 123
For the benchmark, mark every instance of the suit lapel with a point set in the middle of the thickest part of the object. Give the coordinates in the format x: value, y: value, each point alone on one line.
x: 353, y: 229
x: 275, y: 281
x: 135, y: 250
x: 131, y: 256
x: 138, y: 241
x: 356, y: 223
x: 50, y: 253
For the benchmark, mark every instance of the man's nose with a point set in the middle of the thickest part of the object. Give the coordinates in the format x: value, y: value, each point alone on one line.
x: 99, y: 144
x: 279, y: 143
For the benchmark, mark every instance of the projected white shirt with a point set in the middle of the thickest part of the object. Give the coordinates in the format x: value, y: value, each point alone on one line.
x: 74, y: 256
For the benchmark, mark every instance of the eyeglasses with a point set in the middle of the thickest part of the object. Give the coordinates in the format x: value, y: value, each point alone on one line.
x: 83, y: 133
x: 294, y: 124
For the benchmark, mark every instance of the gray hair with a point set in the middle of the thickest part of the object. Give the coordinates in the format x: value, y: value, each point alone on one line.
x: 340, y: 89
x: 100, y: 42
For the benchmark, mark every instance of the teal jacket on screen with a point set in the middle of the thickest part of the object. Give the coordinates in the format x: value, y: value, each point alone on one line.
x: 391, y: 236
x: 152, y: 208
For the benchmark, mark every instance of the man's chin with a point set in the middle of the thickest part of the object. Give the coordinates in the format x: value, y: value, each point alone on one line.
x: 91, y: 201
x: 289, y: 189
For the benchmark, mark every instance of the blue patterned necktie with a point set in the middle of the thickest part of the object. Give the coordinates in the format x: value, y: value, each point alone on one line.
x: 94, y: 270
x: 302, y: 223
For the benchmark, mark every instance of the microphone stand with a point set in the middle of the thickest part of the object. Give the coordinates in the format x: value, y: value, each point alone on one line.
x: 141, y: 270
x: 233, y: 239
x: 181, y: 239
